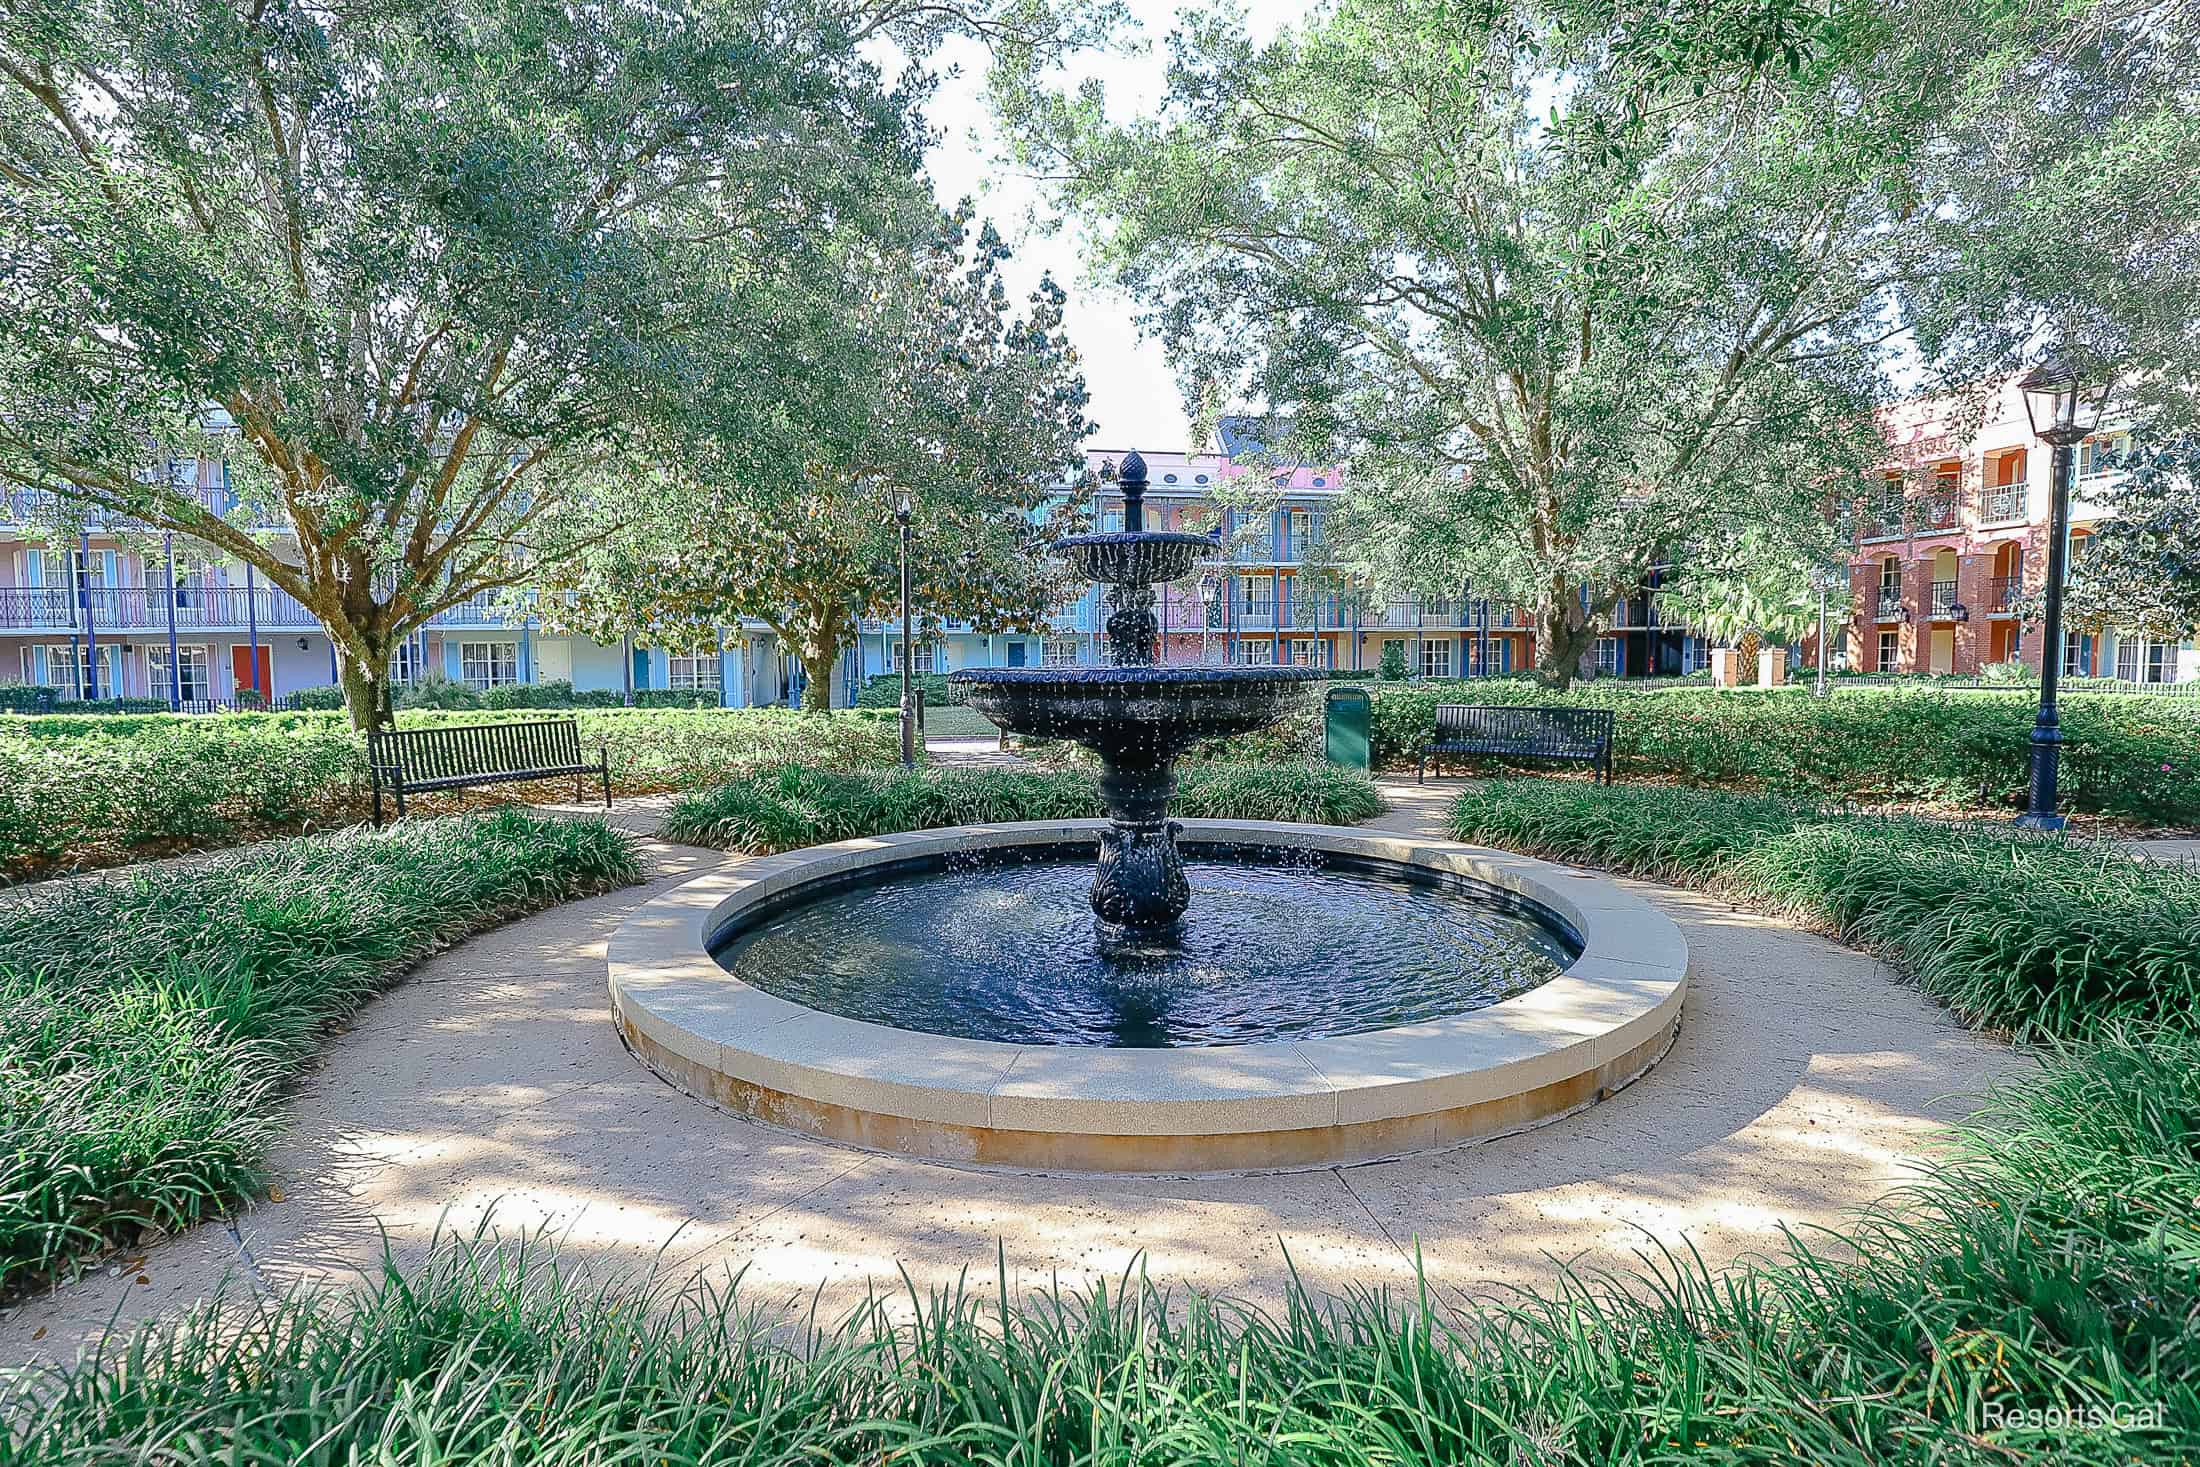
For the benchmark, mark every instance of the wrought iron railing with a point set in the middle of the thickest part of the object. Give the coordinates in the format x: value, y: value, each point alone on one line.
x: 1889, y: 605
x: 197, y: 609
x: 1998, y: 503
x: 1944, y: 597
x: 2002, y: 592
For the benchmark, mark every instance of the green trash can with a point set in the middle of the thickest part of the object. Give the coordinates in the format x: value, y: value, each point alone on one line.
x: 1345, y: 715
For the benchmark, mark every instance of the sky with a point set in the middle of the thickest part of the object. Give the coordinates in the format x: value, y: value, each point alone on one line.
x: 1135, y: 398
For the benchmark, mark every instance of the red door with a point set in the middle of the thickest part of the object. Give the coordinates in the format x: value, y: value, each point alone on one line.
x: 240, y: 664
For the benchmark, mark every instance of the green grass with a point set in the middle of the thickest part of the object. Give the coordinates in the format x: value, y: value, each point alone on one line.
x: 79, y: 792
x: 149, y: 1022
x: 2047, y: 1263
x: 793, y: 806
x: 2032, y: 934
x: 2135, y: 758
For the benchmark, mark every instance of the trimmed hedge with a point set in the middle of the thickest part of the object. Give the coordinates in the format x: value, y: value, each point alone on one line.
x: 149, y: 1022
x: 2135, y: 758
x: 2039, y: 935
x: 94, y: 791
x: 2028, y: 1300
x: 177, y: 785
x: 780, y: 810
x: 883, y: 690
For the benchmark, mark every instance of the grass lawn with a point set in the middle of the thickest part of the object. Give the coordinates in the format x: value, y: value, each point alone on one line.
x: 2038, y: 936
x: 150, y: 1021
x: 2047, y: 1264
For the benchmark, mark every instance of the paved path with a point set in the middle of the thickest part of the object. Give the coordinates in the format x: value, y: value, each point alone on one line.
x: 1805, y: 1080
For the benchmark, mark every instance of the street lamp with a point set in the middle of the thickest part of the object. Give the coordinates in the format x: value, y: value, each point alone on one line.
x: 1822, y: 577
x: 908, y: 646
x: 2062, y: 412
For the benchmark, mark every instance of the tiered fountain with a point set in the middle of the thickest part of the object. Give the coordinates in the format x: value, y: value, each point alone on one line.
x: 1333, y: 995
x: 1137, y: 717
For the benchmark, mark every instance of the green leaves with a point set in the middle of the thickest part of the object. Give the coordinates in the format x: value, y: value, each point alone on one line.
x: 148, y: 1024
x: 1549, y: 366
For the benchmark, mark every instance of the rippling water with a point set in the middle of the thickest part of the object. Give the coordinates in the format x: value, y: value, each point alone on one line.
x: 1009, y: 951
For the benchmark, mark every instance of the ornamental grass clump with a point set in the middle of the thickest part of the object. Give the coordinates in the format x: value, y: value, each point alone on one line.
x: 797, y: 806
x: 2038, y: 935
x: 150, y: 1021
x: 2029, y: 1300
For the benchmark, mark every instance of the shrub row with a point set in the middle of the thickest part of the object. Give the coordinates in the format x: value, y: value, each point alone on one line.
x: 2029, y: 1301
x: 175, y: 786
x: 2137, y: 758
x: 883, y: 690
x: 94, y: 791
x: 779, y: 810
x: 148, y: 1022
x: 2039, y: 935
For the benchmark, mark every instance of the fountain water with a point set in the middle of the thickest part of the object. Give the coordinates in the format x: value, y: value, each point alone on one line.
x: 1136, y: 716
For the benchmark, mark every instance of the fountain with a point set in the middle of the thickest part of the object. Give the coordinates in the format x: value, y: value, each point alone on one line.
x: 1135, y: 716
x: 1333, y: 995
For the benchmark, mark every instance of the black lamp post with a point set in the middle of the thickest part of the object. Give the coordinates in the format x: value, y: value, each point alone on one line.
x: 1209, y: 589
x: 1822, y: 579
x: 908, y: 646
x: 2062, y: 412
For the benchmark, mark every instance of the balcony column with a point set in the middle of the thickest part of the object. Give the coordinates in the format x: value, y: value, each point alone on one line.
x: 252, y: 627
x: 90, y: 669
x: 175, y: 668
x: 1283, y: 615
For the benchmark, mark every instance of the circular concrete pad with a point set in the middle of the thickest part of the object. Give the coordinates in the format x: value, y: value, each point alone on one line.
x: 1302, y: 1103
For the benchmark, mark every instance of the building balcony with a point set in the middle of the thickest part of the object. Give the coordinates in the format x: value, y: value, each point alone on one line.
x: 1944, y: 597
x: 1889, y: 606
x: 2002, y: 593
x: 2000, y: 504
x: 197, y: 610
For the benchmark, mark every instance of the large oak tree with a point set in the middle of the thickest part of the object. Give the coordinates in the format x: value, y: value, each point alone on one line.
x: 438, y: 272
x: 1563, y: 314
x: 921, y: 381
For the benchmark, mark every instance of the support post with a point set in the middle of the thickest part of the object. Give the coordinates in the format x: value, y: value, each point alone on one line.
x: 2039, y: 810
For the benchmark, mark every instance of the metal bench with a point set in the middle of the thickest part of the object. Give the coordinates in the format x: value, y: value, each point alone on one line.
x: 408, y: 761
x: 1578, y: 735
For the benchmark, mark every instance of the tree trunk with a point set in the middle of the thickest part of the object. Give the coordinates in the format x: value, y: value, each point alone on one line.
x: 1562, y: 635
x: 817, y: 687
x: 369, y: 697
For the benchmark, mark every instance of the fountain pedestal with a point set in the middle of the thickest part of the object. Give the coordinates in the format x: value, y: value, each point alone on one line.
x: 1135, y: 716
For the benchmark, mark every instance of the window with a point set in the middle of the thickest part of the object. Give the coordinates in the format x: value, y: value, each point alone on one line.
x: 191, y: 683
x: 1256, y: 652
x: 405, y: 663
x: 1608, y: 656
x: 2102, y: 455
x: 1890, y: 578
x: 924, y: 655
x: 1307, y: 652
x: 2127, y: 658
x: 1436, y: 658
x: 693, y: 672
x: 1111, y: 522
x: 1257, y: 598
x: 485, y: 665
x: 1890, y: 652
x: 2161, y: 662
x: 1060, y: 652
x: 1301, y: 531
x: 55, y: 667
x: 2077, y: 655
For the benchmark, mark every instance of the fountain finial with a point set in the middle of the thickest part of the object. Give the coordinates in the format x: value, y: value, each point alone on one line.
x: 1131, y: 477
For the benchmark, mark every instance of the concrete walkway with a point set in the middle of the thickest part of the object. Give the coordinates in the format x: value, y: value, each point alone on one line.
x: 1805, y: 1081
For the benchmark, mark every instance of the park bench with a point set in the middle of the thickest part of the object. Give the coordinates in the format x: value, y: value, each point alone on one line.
x: 409, y: 761
x: 1580, y: 735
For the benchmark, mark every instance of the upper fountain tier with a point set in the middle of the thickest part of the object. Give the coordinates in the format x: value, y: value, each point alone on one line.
x: 1135, y: 555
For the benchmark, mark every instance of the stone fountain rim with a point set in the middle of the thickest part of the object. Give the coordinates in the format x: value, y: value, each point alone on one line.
x: 1281, y: 1104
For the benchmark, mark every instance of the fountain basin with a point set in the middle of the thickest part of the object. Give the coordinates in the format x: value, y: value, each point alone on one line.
x: 1305, y: 1102
x: 1160, y: 710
